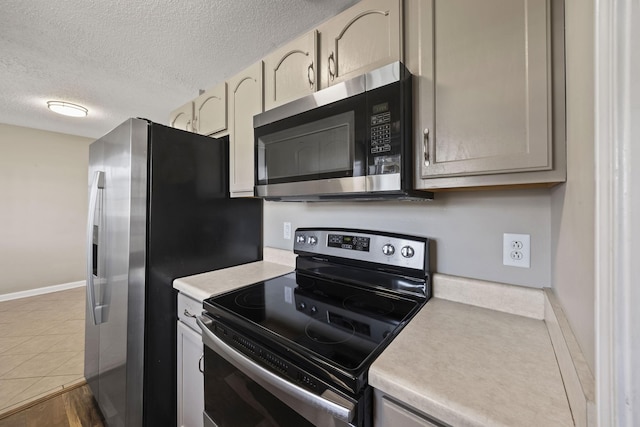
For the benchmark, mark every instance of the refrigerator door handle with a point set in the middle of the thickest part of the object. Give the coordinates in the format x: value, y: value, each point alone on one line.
x: 97, y: 184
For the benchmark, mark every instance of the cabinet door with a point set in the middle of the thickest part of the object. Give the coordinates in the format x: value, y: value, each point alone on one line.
x: 190, y: 379
x: 290, y: 71
x: 210, y: 111
x: 483, y: 86
x: 182, y: 118
x: 362, y: 38
x: 387, y: 413
x: 245, y: 101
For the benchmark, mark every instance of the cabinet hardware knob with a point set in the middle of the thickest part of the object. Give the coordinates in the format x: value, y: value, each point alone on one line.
x: 425, y: 143
x: 200, y: 365
x: 311, y: 75
x: 332, y: 66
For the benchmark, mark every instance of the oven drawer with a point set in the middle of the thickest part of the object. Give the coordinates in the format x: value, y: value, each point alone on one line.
x: 188, y: 309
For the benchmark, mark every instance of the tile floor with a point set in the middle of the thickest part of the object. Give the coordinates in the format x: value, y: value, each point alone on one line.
x: 41, y: 346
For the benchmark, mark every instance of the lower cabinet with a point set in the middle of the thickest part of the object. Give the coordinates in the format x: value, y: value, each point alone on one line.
x: 190, y: 379
x: 390, y: 413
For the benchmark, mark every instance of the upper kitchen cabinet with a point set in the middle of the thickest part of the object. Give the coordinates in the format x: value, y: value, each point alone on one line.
x: 489, y: 85
x: 291, y: 71
x: 210, y: 111
x: 182, y: 118
x: 362, y: 38
x: 245, y: 101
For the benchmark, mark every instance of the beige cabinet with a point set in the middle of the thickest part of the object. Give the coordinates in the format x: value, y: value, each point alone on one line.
x: 362, y: 38
x: 210, y: 111
x: 245, y: 101
x: 182, y: 118
x: 389, y: 413
x: 290, y: 72
x: 483, y: 88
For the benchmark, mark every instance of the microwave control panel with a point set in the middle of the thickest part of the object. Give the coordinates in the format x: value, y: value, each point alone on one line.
x: 381, y: 128
x: 386, y: 112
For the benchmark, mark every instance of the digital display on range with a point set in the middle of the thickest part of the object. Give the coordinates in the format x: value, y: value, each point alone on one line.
x: 343, y: 241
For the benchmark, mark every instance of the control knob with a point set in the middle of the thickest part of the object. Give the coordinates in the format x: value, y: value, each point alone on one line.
x: 407, y: 252
x: 312, y: 240
x: 388, y: 249
x: 300, y: 238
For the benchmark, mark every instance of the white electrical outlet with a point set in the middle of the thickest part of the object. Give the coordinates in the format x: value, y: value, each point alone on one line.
x: 286, y: 230
x: 516, y: 250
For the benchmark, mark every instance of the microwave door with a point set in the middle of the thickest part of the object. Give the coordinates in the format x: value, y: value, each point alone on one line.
x: 311, y: 158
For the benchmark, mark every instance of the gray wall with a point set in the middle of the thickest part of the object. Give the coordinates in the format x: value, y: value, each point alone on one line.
x: 467, y: 228
x: 43, y: 185
x: 573, y: 204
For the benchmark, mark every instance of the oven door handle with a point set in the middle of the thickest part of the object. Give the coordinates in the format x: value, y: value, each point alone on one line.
x: 329, y: 401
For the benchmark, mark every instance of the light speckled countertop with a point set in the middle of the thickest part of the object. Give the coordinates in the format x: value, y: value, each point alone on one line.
x: 455, y: 361
x: 472, y: 366
x: 201, y: 286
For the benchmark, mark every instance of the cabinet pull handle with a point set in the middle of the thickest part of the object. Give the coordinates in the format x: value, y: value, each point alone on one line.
x: 186, y: 313
x: 332, y: 66
x: 200, y: 366
x: 311, y: 75
x: 194, y: 125
x: 425, y: 143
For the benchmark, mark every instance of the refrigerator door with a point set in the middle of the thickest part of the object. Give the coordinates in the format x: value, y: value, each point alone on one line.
x: 159, y: 210
x: 114, y: 343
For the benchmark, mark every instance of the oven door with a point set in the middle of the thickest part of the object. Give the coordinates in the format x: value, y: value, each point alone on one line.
x: 240, y: 392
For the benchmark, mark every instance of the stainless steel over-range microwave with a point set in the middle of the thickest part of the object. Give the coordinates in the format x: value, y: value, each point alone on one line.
x: 349, y: 141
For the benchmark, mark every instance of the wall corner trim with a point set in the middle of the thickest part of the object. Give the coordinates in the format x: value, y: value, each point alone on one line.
x: 578, y: 380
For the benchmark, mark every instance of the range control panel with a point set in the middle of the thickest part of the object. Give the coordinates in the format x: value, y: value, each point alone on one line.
x: 364, y: 245
x: 346, y: 241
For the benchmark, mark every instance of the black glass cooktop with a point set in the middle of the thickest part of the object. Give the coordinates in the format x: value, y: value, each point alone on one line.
x: 340, y: 323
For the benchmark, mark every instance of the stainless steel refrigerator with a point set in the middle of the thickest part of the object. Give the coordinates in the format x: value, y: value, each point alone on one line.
x: 159, y: 208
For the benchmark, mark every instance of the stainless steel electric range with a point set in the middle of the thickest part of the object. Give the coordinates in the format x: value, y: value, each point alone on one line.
x: 295, y: 350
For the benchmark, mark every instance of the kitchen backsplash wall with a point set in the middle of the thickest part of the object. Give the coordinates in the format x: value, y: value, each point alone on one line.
x: 467, y: 228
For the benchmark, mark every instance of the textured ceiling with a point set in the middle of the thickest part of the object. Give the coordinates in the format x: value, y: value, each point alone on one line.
x: 133, y: 58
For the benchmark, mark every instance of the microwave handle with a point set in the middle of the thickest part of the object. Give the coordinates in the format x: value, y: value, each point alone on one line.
x: 425, y: 144
x: 329, y: 401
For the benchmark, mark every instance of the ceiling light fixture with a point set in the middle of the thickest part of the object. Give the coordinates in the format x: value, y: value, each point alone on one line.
x: 67, y: 109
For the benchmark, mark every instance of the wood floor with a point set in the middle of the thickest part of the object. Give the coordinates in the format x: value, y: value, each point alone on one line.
x: 74, y: 408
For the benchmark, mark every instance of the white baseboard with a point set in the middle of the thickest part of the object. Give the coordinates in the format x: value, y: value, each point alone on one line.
x: 41, y: 291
